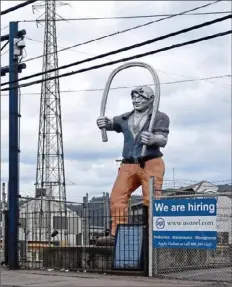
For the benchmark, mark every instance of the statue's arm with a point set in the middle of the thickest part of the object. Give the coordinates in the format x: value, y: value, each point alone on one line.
x: 160, y: 133
x: 116, y: 124
x: 110, y: 124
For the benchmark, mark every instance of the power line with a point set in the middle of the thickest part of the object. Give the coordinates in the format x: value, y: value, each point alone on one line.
x: 127, y: 17
x: 174, y: 82
x: 4, y: 27
x: 124, y: 59
x: 184, y: 76
x: 126, y: 48
x: 134, y: 86
x: 4, y: 45
x: 127, y: 30
x: 35, y: 40
x: 17, y: 7
x: 4, y: 52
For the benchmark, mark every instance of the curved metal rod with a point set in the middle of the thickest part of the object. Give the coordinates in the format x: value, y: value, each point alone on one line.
x: 155, y: 103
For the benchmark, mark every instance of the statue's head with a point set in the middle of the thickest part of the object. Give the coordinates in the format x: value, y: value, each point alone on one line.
x: 142, y: 98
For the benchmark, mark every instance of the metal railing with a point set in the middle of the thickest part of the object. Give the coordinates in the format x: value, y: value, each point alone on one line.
x: 56, y: 239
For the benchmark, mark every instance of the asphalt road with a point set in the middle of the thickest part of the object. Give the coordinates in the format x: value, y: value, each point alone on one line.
x: 192, y: 278
x: 52, y: 279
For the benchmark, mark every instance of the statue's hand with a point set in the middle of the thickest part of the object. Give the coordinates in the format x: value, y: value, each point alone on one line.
x: 147, y: 138
x: 102, y: 122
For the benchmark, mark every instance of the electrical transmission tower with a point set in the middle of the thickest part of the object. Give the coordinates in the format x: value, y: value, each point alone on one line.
x: 50, y: 172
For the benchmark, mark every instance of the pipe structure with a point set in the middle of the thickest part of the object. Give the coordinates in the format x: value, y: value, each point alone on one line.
x: 155, y: 103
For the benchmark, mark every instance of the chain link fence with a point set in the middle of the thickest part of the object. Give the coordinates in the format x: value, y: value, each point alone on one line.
x: 54, y: 238
x: 178, y: 252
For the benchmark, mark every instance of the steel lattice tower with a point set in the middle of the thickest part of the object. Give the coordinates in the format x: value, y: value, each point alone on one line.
x: 50, y: 173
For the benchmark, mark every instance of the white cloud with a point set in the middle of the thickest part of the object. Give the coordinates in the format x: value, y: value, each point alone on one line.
x: 199, y: 143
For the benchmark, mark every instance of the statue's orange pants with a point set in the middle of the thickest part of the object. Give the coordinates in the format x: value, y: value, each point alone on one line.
x: 130, y: 177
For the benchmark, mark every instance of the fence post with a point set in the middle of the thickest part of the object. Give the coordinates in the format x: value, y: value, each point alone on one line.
x: 154, y: 250
x: 49, y: 217
x: 107, y: 211
x: 145, y: 239
x: 1, y: 221
x: 86, y: 219
x: 150, y: 226
x: 3, y: 208
x: 104, y: 211
x: 27, y: 230
x: 6, y: 249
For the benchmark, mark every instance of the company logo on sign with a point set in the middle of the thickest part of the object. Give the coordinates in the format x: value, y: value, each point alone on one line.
x: 160, y: 223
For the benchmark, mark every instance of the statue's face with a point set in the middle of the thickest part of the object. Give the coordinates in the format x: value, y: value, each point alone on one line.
x: 140, y: 102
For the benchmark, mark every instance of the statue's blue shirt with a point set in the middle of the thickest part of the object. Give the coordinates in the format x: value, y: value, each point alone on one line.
x: 132, y: 145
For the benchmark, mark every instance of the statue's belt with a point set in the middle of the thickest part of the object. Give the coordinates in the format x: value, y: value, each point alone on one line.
x: 140, y: 160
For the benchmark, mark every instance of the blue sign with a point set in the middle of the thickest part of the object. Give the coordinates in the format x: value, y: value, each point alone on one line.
x: 128, y: 247
x: 185, y: 223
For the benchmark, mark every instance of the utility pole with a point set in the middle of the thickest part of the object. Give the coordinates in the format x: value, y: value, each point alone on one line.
x: 16, y: 44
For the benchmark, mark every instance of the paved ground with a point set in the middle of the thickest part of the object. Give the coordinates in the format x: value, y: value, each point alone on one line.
x: 217, y: 274
x: 48, y: 279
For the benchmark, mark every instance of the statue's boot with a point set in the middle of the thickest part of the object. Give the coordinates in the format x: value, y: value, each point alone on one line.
x: 105, y: 240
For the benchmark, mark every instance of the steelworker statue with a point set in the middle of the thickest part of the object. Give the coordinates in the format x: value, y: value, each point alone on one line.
x: 135, y: 170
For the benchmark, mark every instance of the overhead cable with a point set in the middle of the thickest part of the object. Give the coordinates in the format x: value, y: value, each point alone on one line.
x: 4, y: 52
x: 126, y: 17
x: 42, y: 42
x: 122, y: 60
x: 4, y: 45
x: 4, y: 27
x: 126, y: 30
x: 130, y: 87
x: 208, y: 23
x: 16, y: 7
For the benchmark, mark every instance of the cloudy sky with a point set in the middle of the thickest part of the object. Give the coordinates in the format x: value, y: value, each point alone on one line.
x: 199, y: 146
